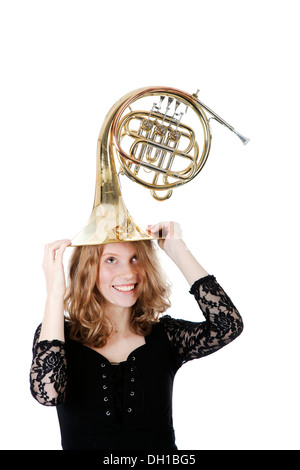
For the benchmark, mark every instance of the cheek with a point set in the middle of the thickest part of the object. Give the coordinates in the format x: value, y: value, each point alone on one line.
x: 104, y: 278
x: 104, y: 287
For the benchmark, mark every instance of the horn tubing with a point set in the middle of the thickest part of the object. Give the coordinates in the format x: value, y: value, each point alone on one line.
x: 115, y: 142
x: 136, y: 95
x: 245, y: 140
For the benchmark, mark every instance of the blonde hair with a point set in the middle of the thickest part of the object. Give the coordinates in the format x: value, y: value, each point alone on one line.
x: 83, y: 300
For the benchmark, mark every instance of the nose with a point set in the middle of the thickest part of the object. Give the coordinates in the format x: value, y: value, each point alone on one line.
x: 127, y: 271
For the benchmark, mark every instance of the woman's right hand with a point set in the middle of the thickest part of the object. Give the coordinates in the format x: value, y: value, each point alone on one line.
x: 54, y: 269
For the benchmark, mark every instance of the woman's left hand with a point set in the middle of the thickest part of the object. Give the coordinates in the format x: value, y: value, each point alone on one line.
x: 169, y: 238
x: 166, y: 233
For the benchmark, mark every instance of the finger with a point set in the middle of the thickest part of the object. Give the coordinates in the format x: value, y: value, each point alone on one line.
x: 163, y: 229
x: 60, y: 251
x: 157, y: 227
x: 155, y: 230
x: 57, y: 243
x: 51, y: 249
x: 53, y: 246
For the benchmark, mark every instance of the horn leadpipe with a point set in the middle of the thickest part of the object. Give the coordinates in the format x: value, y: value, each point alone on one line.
x: 245, y: 140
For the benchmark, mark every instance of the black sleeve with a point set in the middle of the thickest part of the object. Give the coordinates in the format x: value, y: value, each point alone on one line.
x: 48, y: 373
x: 222, y: 324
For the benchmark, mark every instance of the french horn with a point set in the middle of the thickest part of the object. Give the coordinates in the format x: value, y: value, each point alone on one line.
x: 155, y: 148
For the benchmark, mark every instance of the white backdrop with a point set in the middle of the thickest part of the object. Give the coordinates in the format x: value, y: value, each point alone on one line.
x: 64, y: 64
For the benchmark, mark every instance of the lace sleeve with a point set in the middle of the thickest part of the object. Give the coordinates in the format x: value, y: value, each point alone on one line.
x: 222, y: 324
x: 48, y: 377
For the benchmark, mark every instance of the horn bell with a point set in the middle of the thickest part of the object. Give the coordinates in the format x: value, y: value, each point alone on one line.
x: 110, y: 221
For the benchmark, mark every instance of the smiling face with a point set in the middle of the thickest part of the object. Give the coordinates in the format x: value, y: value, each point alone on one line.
x: 120, y: 275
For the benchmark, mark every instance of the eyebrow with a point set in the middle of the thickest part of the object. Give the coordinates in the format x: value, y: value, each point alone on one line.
x: 115, y: 254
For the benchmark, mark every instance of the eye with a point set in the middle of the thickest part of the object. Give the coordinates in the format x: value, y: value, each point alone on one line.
x: 111, y: 260
x: 134, y: 258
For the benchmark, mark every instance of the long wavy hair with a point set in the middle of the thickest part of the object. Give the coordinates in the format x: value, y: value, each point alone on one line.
x: 84, y: 302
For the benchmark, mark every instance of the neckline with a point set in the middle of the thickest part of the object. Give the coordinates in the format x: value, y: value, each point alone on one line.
x: 131, y: 354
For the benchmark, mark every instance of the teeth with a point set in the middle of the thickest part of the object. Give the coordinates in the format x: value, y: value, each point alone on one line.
x: 124, y: 288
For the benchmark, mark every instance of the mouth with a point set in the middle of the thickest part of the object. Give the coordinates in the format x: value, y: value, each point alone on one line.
x: 126, y: 288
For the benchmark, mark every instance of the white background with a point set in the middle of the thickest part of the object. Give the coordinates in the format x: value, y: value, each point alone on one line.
x: 63, y: 65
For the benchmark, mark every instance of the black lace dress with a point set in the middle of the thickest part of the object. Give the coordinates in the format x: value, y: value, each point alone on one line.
x: 129, y: 406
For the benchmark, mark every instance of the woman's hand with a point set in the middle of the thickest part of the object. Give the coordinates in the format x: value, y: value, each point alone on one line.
x: 53, y: 321
x: 168, y: 234
x: 54, y: 269
x: 171, y: 242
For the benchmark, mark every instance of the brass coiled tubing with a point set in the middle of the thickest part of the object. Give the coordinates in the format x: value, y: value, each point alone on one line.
x: 155, y: 148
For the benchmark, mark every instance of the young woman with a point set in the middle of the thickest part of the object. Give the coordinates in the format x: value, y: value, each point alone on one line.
x: 109, y: 365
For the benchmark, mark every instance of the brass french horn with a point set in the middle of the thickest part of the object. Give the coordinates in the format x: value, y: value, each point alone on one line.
x: 155, y: 148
